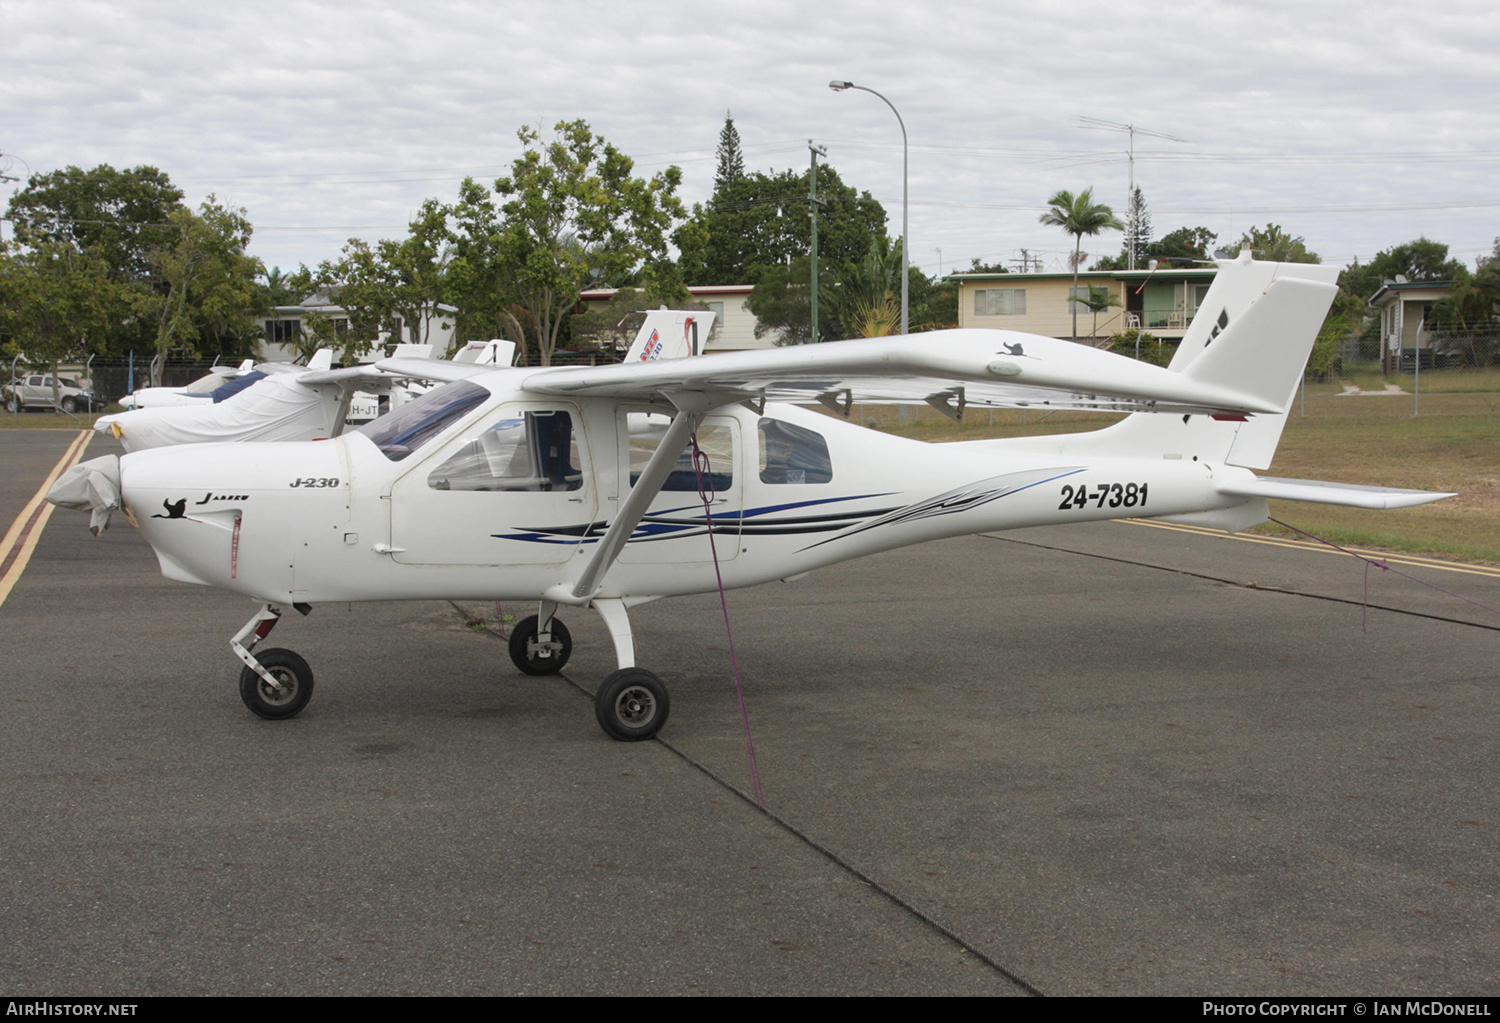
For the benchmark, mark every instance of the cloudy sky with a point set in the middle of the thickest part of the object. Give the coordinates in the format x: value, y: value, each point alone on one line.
x: 1357, y: 125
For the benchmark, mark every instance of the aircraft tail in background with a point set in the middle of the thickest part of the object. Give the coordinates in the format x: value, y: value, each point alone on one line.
x: 670, y: 334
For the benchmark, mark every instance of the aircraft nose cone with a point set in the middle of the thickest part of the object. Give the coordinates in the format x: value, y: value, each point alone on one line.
x: 92, y: 486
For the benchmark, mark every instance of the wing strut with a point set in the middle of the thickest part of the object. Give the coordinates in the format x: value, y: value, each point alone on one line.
x: 633, y: 508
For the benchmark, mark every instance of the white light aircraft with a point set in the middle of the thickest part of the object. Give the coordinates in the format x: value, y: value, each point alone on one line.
x: 199, y: 392
x: 608, y: 487
x: 283, y: 402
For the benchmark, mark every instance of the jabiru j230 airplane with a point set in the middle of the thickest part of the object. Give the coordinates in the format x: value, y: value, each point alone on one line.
x: 608, y: 487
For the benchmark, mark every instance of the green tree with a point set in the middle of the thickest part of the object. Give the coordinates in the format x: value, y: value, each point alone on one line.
x: 115, y: 217
x: 1184, y: 245
x: 119, y: 216
x: 864, y: 297
x: 761, y: 221
x: 392, y: 286
x: 1137, y: 238
x: 782, y: 305
x: 1274, y: 245
x: 573, y: 217
x: 977, y: 267
x: 1142, y: 345
x: 731, y: 160
x: 476, y: 280
x: 1080, y: 217
x: 934, y: 302
x: 57, y: 304
x: 1419, y: 260
x: 279, y: 289
x: 205, y: 294
x: 1099, y: 300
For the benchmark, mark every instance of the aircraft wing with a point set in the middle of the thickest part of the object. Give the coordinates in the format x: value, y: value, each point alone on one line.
x: 388, y: 370
x: 440, y: 371
x: 948, y: 369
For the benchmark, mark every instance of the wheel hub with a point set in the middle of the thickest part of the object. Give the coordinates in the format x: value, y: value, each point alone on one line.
x: 282, y: 690
x: 636, y: 706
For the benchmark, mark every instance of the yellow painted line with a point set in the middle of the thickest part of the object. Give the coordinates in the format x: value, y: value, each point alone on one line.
x: 27, y: 529
x: 1409, y: 560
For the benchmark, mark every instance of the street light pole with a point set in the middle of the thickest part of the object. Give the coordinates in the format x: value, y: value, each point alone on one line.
x: 838, y: 86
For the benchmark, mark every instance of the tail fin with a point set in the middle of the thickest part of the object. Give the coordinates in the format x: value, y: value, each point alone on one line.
x: 670, y: 334
x: 1254, y: 330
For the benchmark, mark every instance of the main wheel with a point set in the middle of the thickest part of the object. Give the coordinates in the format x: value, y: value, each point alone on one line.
x: 12, y: 403
x: 291, y: 673
x: 632, y: 705
x: 70, y: 405
x: 547, y: 661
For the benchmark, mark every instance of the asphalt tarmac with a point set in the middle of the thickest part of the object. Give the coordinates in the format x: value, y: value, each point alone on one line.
x: 1103, y: 759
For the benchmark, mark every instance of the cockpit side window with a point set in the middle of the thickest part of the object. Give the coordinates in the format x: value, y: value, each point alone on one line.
x: 532, y: 451
x: 415, y: 423
x: 793, y: 454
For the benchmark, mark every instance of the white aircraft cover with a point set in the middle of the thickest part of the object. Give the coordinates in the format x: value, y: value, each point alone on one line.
x: 276, y: 408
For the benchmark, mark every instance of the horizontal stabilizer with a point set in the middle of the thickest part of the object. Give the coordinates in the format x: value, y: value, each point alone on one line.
x: 1350, y: 495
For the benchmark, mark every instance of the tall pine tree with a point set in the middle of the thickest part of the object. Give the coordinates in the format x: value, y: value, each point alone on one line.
x: 1137, y: 229
x: 731, y: 160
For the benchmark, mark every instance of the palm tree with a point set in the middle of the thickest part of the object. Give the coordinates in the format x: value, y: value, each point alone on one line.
x: 1079, y: 215
x: 1099, y: 300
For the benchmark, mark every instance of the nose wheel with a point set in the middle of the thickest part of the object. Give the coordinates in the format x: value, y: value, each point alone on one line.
x: 538, y: 653
x: 285, y: 693
x: 278, y: 683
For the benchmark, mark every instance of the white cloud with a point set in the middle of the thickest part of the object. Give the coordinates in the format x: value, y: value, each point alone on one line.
x: 323, y: 118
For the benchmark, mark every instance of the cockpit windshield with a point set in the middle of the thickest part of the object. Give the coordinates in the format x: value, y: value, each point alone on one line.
x: 415, y: 423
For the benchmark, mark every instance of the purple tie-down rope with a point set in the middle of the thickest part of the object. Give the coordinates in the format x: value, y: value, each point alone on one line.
x: 1380, y: 564
x: 704, y: 471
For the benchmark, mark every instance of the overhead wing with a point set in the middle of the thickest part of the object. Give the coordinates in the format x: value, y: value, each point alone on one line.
x: 352, y: 376
x: 433, y: 369
x: 948, y: 368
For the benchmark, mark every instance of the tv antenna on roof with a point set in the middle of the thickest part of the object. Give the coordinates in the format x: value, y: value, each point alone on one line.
x: 1095, y: 124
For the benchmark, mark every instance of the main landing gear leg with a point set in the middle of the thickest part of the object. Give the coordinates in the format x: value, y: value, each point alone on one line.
x: 277, y: 684
x: 632, y: 703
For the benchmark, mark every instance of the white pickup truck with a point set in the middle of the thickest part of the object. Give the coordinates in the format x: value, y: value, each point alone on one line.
x: 35, y: 391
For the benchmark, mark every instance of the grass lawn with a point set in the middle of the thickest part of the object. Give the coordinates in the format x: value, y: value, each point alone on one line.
x: 52, y: 420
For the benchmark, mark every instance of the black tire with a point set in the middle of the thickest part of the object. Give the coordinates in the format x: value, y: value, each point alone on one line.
x: 288, y: 669
x: 632, y: 705
x: 12, y: 403
x: 69, y: 405
x: 532, y: 663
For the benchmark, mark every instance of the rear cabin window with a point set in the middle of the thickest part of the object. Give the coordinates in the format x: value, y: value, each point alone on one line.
x: 646, y: 431
x: 793, y: 454
x: 529, y: 452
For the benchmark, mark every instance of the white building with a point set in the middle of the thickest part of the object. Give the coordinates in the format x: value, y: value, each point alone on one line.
x: 285, y: 324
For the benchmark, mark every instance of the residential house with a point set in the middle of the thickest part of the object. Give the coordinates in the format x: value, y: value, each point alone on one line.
x: 1405, y: 310
x: 1163, y: 301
